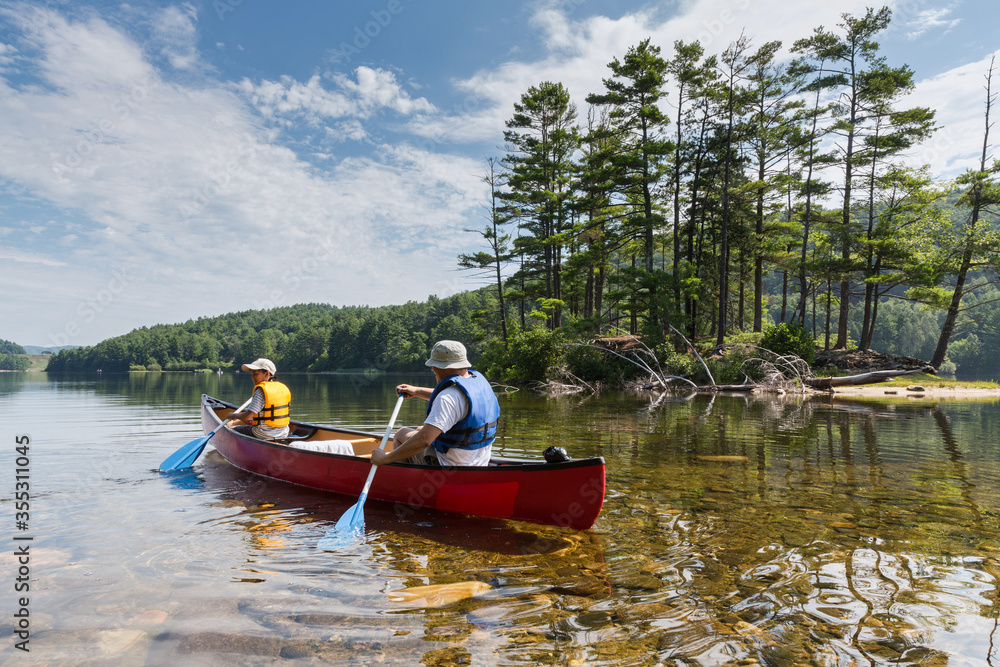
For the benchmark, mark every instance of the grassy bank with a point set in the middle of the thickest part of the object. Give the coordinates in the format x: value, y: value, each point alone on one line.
x: 38, y: 362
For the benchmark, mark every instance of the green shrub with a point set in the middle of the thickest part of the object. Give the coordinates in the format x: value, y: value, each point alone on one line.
x: 588, y: 364
x: 527, y: 357
x: 746, y: 338
x: 948, y: 368
x: 732, y: 369
x: 966, y: 352
x: 593, y: 365
x: 789, y: 338
x: 677, y: 363
x: 14, y: 362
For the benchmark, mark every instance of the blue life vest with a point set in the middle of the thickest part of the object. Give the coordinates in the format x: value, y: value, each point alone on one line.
x: 479, y: 428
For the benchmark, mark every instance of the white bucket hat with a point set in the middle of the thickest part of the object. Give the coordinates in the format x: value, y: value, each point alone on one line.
x: 261, y: 365
x: 448, y: 354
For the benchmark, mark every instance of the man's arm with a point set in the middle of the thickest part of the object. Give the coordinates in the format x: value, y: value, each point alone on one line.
x: 415, y: 443
x: 409, y: 391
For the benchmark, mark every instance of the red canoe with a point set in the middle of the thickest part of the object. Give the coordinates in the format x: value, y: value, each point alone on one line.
x: 567, y: 494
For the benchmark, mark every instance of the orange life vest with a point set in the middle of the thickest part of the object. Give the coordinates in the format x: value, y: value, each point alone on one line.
x: 277, y: 404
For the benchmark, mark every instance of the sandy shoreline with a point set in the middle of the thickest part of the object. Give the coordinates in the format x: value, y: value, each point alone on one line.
x: 882, y: 391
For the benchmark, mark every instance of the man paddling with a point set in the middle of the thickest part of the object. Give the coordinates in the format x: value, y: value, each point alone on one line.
x: 462, y: 414
x: 268, y: 414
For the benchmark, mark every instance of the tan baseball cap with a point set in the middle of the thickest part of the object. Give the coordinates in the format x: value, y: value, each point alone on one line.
x: 448, y: 354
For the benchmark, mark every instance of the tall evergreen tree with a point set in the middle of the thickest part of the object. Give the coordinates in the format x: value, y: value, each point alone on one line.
x: 809, y: 154
x: 542, y: 138
x: 863, y: 77
x: 633, y: 95
x: 975, y: 242
x: 733, y: 66
x: 892, y: 132
x: 771, y: 91
x: 690, y: 74
x: 496, y: 238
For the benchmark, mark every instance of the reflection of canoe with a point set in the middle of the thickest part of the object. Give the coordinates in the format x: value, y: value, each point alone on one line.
x: 568, y: 494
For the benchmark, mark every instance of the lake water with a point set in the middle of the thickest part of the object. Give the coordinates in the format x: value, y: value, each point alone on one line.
x: 735, y: 531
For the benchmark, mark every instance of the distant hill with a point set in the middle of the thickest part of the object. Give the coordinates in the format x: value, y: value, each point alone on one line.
x: 304, y: 337
x: 35, y: 349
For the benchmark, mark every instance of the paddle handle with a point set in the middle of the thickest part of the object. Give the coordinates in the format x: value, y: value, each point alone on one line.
x: 385, y: 439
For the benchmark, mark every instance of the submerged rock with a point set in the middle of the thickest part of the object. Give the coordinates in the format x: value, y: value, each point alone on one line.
x: 439, y: 595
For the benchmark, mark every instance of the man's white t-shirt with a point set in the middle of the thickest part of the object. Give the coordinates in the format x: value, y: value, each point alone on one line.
x: 450, y: 407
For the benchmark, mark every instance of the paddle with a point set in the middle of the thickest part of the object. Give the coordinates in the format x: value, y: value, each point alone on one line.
x: 186, y: 455
x: 353, y: 520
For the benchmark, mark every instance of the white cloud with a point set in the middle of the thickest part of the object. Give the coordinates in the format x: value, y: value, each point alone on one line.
x: 360, y: 98
x: 175, y: 29
x: 7, y: 55
x: 183, y: 184
x: 959, y: 99
x: 915, y: 18
x: 24, y: 257
x: 928, y: 20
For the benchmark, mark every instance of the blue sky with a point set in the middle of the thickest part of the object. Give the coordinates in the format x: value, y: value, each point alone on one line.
x: 164, y: 161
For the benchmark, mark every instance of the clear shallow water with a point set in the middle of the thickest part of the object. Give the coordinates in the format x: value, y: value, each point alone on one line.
x: 775, y: 531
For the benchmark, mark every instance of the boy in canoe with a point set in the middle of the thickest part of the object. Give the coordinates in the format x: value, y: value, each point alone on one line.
x: 269, y: 412
x: 462, y: 414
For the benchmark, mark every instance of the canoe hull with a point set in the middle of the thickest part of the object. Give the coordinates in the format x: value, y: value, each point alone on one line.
x: 568, y: 494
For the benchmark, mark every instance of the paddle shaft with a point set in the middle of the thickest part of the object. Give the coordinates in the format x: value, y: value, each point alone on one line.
x: 385, y: 439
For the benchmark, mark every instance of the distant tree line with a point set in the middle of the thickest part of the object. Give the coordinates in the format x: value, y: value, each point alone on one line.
x: 316, y: 337
x: 305, y: 337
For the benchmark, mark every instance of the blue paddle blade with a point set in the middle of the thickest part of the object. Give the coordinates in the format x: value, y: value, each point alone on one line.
x: 186, y: 455
x: 349, y: 527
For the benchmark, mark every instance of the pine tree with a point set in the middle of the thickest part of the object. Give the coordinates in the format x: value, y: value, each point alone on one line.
x: 633, y: 94
x: 542, y: 138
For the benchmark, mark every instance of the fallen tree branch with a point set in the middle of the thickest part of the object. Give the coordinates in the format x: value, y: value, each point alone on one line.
x: 873, y: 377
x: 695, y: 353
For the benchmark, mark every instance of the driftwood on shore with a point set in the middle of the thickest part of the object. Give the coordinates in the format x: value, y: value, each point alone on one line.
x: 873, y: 377
x: 777, y: 373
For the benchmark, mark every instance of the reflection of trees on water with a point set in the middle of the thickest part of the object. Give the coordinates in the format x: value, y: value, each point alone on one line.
x: 860, y: 529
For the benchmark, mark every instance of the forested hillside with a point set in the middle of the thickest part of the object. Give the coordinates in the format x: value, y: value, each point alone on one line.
x: 12, y: 357
x: 306, y: 337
